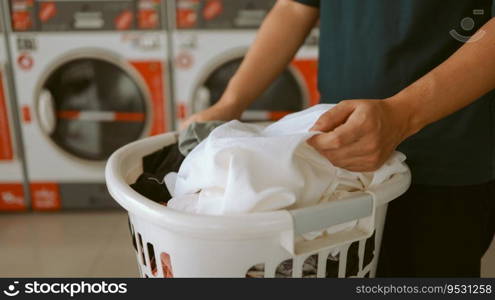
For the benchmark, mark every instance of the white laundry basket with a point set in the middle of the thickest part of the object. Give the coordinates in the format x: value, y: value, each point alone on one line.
x: 228, y: 246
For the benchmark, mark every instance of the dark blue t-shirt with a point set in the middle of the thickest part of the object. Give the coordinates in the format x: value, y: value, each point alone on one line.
x: 372, y: 49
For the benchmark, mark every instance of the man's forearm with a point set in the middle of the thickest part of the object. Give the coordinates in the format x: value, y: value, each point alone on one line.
x: 459, y: 81
x: 278, y: 40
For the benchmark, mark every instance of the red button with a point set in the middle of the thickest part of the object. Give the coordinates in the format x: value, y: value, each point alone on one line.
x: 26, y: 114
x: 25, y: 62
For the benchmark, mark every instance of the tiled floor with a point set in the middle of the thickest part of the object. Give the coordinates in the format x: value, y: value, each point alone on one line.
x: 94, y: 244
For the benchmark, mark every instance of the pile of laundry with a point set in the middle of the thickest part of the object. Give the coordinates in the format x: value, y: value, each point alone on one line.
x: 221, y: 168
x: 168, y: 161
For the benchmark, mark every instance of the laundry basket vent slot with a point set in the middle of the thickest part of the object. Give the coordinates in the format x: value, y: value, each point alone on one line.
x: 141, y: 249
x: 151, y: 255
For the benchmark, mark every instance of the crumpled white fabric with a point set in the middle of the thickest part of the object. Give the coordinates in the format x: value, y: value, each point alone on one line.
x: 244, y: 168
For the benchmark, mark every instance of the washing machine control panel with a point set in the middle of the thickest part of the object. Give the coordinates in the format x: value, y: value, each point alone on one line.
x: 90, y: 15
x: 221, y: 14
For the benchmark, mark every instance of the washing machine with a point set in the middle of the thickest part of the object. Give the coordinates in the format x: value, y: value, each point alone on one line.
x: 209, y: 43
x: 91, y: 77
x: 12, y: 196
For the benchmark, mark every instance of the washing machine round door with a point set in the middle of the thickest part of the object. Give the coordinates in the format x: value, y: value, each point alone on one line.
x: 284, y: 95
x: 91, y: 107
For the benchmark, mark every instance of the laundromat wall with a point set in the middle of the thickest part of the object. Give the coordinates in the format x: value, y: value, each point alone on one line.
x: 80, y: 79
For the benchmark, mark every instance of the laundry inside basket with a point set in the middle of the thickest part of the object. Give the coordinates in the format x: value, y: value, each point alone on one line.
x: 246, y: 168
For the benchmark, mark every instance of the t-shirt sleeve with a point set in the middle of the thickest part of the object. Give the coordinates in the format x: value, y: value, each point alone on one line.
x: 314, y: 3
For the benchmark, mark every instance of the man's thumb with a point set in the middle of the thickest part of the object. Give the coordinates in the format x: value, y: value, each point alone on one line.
x: 333, y: 118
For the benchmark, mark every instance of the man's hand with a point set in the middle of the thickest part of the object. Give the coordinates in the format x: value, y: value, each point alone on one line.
x: 361, y: 134
x: 221, y: 111
x: 283, y: 32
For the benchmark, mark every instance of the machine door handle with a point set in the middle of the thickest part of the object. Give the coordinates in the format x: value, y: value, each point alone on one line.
x: 46, y: 112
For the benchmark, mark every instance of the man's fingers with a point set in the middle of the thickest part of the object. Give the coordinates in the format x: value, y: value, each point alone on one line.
x: 333, y: 118
x: 331, y: 141
x: 343, y: 155
x: 344, y: 136
x: 358, y: 163
x: 361, y: 156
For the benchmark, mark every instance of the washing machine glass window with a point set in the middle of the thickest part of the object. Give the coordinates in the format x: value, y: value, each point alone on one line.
x: 284, y: 95
x: 91, y: 107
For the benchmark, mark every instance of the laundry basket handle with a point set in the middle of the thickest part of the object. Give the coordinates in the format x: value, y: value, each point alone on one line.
x: 332, y: 213
x: 359, y: 206
x: 355, y: 207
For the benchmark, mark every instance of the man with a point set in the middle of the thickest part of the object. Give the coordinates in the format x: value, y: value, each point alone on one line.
x: 417, y: 76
